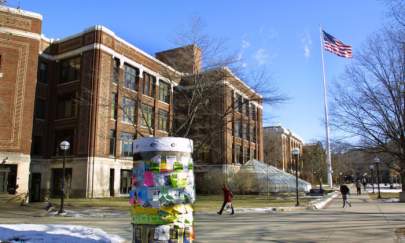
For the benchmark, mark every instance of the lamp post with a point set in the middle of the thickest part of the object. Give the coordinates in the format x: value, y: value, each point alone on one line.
x: 296, y: 152
x: 64, y: 146
x: 372, y: 176
x: 377, y: 162
x: 340, y: 177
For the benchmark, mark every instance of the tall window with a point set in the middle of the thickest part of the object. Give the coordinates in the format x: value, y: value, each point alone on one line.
x: 237, y: 154
x: 149, y: 83
x: 66, y: 106
x: 70, y: 69
x: 253, y: 133
x: 253, y: 154
x: 40, y: 108
x: 164, y: 91
x: 43, y: 72
x: 112, y: 142
x: 126, y: 144
x: 236, y: 129
x: 162, y: 123
x: 253, y: 111
x: 114, y: 109
x: 238, y: 103
x: 128, y: 110
x: 244, y: 155
x: 116, y: 70
x: 244, y: 131
x: 147, y: 116
x: 130, y: 77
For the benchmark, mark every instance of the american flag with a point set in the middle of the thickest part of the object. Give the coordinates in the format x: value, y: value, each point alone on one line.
x: 336, y: 46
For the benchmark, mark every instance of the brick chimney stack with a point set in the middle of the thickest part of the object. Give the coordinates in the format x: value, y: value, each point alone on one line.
x: 186, y: 59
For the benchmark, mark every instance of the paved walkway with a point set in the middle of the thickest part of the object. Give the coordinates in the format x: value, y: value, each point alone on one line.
x: 366, y: 221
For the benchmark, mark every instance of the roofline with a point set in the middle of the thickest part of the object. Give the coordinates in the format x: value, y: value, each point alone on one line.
x: 243, y: 83
x: 20, y: 12
x: 110, y: 32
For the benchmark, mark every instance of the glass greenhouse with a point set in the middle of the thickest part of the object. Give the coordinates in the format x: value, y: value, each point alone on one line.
x: 272, y: 179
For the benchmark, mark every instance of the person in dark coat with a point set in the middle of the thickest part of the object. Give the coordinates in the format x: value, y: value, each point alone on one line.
x: 227, y: 200
x: 358, y: 187
x: 344, y: 190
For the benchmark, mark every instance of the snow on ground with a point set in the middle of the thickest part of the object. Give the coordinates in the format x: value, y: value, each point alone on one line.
x: 47, y: 233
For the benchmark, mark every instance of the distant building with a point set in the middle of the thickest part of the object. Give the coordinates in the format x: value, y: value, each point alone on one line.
x: 278, y: 144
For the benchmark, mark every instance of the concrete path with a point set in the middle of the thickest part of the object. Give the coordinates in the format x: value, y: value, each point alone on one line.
x: 366, y: 221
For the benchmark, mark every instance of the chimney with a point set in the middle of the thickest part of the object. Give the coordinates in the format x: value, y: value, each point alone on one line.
x: 186, y: 59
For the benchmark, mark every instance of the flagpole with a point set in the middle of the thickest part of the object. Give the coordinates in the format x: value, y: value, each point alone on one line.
x: 325, y: 98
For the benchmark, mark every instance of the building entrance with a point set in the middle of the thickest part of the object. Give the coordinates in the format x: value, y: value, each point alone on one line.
x: 8, y: 179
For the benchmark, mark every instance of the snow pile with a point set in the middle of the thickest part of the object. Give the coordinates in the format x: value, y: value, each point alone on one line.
x: 47, y: 233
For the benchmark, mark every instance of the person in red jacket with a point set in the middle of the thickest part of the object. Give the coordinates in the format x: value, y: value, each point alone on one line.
x: 227, y: 200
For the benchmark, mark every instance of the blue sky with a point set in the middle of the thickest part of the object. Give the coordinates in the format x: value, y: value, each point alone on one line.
x: 279, y: 36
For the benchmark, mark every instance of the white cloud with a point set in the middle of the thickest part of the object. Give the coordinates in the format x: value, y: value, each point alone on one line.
x: 307, y: 44
x: 261, y: 56
x: 245, y: 44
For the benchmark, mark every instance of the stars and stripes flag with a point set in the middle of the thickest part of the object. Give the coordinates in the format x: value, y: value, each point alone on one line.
x: 335, y: 46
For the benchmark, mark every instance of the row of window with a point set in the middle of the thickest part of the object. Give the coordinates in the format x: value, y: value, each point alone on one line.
x: 242, y: 131
x: 147, y: 113
x: 243, y: 154
x: 70, y: 71
x: 244, y: 106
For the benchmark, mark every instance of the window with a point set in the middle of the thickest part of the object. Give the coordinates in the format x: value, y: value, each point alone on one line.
x: 253, y: 112
x: 66, y: 106
x: 114, y: 110
x: 36, y: 145
x: 40, y: 108
x: 126, y: 144
x: 149, y: 83
x: 126, y: 185
x: 62, y: 135
x: 237, y: 154
x: 238, y: 103
x: 70, y: 69
x: 128, y: 110
x: 112, y: 142
x: 162, y: 122
x: 244, y: 131
x: 244, y: 155
x: 116, y: 70
x: 43, y: 72
x: 130, y: 77
x: 164, y: 91
x: 253, y: 154
x: 236, y: 129
x: 147, y: 116
x: 253, y: 133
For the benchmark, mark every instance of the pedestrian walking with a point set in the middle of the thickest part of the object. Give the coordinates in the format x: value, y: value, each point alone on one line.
x: 344, y: 190
x: 227, y: 200
x: 358, y: 187
x: 364, y: 183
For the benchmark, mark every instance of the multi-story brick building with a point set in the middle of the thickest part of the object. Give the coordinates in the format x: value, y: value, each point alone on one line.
x: 278, y: 145
x: 20, y: 36
x: 99, y: 92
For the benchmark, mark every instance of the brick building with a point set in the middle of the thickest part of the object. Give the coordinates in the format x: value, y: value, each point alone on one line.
x: 98, y: 92
x: 278, y: 144
x: 20, y: 36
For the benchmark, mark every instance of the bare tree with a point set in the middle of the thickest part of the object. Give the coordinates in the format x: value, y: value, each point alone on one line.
x: 314, y: 163
x: 370, y: 105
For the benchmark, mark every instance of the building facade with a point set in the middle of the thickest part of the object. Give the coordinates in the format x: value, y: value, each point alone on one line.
x: 278, y: 144
x: 98, y: 92
x: 20, y: 37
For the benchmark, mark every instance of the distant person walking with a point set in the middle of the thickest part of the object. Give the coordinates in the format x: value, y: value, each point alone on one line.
x: 227, y: 200
x: 364, y: 183
x: 344, y: 190
x: 358, y: 187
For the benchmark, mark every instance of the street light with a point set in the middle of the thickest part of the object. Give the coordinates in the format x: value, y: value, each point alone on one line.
x: 372, y: 176
x: 64, y: 146
x: 296, y: 153
x: 377, y: 162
